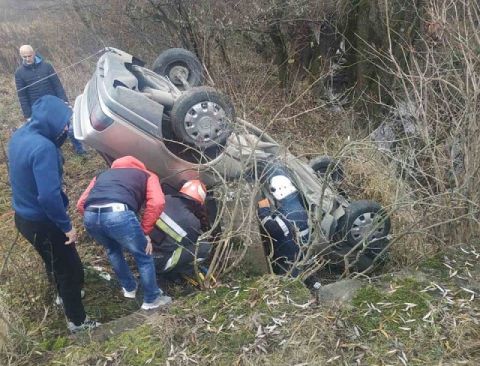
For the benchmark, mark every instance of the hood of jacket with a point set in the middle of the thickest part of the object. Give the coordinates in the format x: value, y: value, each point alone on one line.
x: 128, y: 162
x: 50, y: 115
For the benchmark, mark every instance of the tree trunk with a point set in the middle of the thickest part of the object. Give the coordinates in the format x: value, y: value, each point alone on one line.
x: 380, y: 37
x: 281, y: 53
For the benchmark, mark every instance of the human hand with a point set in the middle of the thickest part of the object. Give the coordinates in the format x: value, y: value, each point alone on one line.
x: 149, y: 247
x: 264, y: 203
x: 71, y: 236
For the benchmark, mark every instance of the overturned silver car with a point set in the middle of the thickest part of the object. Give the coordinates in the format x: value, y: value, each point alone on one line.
x: 182, y: 130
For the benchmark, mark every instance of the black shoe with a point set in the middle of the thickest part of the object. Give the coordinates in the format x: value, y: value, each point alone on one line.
x: 87, y: 324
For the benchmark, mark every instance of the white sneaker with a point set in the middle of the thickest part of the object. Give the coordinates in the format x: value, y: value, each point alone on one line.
x: 159, y: 301
x: 59, y: 301
x: 86, y: 325
x: 129, y: 294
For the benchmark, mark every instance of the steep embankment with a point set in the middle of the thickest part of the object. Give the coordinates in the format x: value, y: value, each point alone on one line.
x: 414, y: 318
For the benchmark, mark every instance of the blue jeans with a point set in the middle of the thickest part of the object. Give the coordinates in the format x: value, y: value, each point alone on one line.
x: 118, y: 231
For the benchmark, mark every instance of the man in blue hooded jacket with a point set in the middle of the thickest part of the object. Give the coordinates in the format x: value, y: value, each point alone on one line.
x: 36, y: 78
x: 40, y: 205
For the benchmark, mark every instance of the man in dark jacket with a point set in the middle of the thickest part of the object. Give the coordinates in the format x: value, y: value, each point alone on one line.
x: 36, y: 78
x: 110, y: 205
x: 40, y: 205
x: 176, y: 232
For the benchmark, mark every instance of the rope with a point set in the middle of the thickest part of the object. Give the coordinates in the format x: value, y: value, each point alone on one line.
x: 65, y: 68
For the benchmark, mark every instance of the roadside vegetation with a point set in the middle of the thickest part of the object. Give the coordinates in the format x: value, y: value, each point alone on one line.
x: 401, y: 117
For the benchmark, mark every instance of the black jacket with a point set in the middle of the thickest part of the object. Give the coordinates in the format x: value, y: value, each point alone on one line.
x: 179, y: 210
x: 50, y: 84
x: 187, y: 226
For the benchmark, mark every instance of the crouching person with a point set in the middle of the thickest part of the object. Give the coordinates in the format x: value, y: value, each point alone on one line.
x: 110, y: 205
x: 286, y: 224
x: 176, y: 232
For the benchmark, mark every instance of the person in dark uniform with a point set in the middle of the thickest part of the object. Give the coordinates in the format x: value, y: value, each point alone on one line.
x: 175, y: 236
x: 286, y: 223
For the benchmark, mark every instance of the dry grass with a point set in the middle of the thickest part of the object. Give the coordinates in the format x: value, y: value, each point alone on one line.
x: 411, y: 319
x: 369, y: 173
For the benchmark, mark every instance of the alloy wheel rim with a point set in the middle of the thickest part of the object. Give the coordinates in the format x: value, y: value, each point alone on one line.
x: 367, y: 226
x: 205, y: 121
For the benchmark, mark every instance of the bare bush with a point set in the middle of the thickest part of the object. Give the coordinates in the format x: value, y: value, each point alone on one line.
x: 439, y: 158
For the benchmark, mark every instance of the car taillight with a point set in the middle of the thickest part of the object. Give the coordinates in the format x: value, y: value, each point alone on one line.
x: 98, y: 119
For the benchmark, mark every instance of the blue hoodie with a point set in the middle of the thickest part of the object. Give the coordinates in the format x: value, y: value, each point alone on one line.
x: 36, y: 164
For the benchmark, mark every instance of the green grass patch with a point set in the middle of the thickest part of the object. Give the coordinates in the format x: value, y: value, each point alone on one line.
x: 434, y: 262
x: 226, y: 318
x: 390, y: 311
x: 103, y: 300
x: 394, y: 319
x: 54, y: 344
x: 435, y: 265
x: 140, y: 346
x: 252, y: 295
x: 41, y: 325
x: 217, y: 325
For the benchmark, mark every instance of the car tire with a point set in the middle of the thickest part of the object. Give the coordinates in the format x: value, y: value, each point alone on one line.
x: 355, y: 262
x: 363, y: 218
x: 324, y: 165
x: 202, y: 117
x: 173, y: 61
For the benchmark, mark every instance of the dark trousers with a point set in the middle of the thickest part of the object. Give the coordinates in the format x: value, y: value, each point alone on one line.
x: 185, y: 262
x: 49, y: 241
x: 48, y: 262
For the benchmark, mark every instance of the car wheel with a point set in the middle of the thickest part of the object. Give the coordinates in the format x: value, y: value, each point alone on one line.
x: 364, y: 222
x: 181, y: 66
x: 324, y: 165
x: 202, y: 117
x: 354, y: 262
